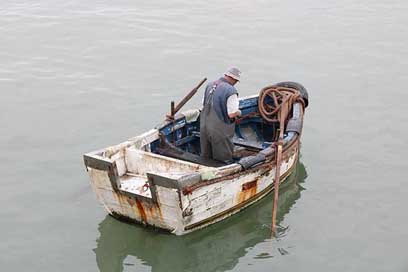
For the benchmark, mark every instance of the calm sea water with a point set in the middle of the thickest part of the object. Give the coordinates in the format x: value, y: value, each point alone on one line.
x: 81, y: 75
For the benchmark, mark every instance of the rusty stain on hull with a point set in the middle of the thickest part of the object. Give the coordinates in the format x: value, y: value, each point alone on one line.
x: 154, y: 211
x: 141, y: 210
x: 248, y: 191
x: 146, y: 211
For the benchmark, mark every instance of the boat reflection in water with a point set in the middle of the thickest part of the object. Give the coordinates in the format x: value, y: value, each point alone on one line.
x: 217, y: 247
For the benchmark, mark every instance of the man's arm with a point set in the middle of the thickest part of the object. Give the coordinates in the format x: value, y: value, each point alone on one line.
x: 233, y: 106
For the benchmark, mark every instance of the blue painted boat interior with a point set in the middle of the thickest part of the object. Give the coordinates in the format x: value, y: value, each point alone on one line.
x: 251, y: 133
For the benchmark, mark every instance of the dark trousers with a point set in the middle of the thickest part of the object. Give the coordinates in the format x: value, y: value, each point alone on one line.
x: 215, y: 136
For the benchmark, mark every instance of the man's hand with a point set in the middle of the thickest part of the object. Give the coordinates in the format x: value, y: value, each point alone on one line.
x: 234, y: 115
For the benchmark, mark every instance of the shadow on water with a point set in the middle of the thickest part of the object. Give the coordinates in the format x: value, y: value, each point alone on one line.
x: 215, y: 248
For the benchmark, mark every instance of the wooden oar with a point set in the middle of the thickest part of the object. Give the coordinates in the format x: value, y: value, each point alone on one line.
x: 175, y: 109
x: 279, y: 144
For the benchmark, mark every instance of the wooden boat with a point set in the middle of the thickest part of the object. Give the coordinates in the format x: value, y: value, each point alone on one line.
x: 159, y: 179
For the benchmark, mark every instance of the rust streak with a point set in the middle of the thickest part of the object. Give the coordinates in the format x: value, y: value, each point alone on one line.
x: 130, y: 200
x: 141, y: 210
x: 145, y: 210
x: 248, y: 191
x: 154, y: 211
x: 160, y: 212
x: 249, y: 185
x: 121, y: 203
x: 151, y: 211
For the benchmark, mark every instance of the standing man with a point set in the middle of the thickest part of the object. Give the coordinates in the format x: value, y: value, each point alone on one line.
x: 217, y: 119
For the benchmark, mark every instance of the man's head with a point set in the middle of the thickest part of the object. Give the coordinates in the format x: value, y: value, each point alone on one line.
x: 232, y: 75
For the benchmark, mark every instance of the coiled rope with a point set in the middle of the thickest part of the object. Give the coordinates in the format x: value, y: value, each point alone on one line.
x: 281, y: 97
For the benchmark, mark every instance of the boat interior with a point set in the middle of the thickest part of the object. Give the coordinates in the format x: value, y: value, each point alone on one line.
x: 181, y: 138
